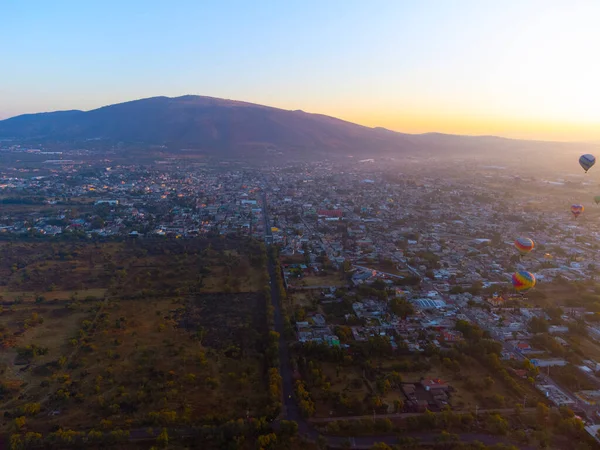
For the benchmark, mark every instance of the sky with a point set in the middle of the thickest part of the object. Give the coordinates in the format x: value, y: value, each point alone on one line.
x: 516, y: 68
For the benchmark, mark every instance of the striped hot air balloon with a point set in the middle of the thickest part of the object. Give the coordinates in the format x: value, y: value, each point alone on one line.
x: 523, y: 281
x: 524, y: 245
x: 576, y: 210
x: 587, y: 161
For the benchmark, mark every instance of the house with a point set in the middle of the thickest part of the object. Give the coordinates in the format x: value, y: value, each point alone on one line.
x: 452, y: 335
x: 548, y: 362
x: 521, y: 373
x: 561, y: 341
x: 432, y: 384
x: 496, y: 300
x: 331, y: 213
x: 409, y: 391
x: 523, y: 346
x: 558, y: 329
x: 107, y: 202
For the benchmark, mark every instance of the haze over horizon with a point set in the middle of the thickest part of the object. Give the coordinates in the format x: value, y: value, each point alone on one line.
x: 516, y: 69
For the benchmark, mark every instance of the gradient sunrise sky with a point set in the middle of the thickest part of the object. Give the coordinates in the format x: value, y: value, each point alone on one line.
x: 517, y: 68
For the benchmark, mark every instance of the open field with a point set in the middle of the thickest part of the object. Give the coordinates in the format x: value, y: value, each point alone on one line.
x: 32, y: 296
x: 393, y: 269
x: 589, y: 347
x: 141, y: 368
x: 301, y: 298
x: 162, y: 336
x: 346, y: 381
x: 48, y: 327
x: 347, y: 389
x: 154, y: 267
x: 332, y: 279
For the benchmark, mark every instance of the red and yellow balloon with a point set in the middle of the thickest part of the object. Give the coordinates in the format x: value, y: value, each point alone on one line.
x: 576, y: 210
x: 523, y: 281
x: 524, y: 245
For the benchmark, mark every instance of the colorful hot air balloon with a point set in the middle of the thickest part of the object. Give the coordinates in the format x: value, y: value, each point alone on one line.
x: 548, y: 256
x: 523, y: 281
x: 576, y: 210
x: 597, y: 199
x: 587, y: 161
x: 524, y: 245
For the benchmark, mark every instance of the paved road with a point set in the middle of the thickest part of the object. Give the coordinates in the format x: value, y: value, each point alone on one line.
x: 404, y: 415
x: 291, y: 410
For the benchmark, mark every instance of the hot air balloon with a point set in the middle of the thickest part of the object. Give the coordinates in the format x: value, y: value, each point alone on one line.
x: 587, y: 161
x: 597, y: 199
x: 576, y: 210
x: 524, y: 245
x: 548, y: 256
x: 523, y: 281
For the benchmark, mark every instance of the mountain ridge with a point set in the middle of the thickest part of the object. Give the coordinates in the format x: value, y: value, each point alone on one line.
x: 229, y: 127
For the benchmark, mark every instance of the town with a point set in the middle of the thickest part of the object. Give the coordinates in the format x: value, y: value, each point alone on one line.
x: 396, y: 292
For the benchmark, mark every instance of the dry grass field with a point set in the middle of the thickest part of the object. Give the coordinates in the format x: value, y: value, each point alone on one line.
x: 131, y: 334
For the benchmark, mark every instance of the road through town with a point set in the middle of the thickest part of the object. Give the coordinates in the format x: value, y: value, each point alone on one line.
x: 290, y: 408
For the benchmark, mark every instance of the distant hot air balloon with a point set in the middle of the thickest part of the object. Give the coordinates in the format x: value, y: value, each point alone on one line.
x: 523, y: 281
x: 548, y: 256
x: 576, y: 210
x: 524, y: 245
x: 597, y: 199
x: 587, y: 161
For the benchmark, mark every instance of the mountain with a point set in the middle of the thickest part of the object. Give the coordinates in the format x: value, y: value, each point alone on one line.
x: 228, y: 127
x: 200, y: 122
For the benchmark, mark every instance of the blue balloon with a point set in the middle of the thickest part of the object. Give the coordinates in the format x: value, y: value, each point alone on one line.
x: 587, y: 161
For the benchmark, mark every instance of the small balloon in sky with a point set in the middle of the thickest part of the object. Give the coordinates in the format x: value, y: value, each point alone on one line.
x: 524, y: 245
x: 576, y: 210
x: 587, y: 161
x: 523, y: 281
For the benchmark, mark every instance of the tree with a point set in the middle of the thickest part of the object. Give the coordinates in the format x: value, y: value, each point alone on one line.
x: 267, y: 441
x: 33, y: 439
x: 380, y: 446
x: 31, y: 409
x: 518, y: 410
x: 20, y: 422
x: 16, y: 442
x: 288, y: 428
x: 497, y: 424
x: 476, y: 287
x: 401, y: 307
x: 322, y: 442
x: 538, y: 325
x: 470, y: 331
x: 497, y: 400
x: 445, y: 436
x: 543, y: 412
x: 398, y: 405
x: 163, y: 438
x: 543, y: 438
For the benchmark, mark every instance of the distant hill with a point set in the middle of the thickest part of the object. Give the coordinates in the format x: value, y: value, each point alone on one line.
x: 228, y: 127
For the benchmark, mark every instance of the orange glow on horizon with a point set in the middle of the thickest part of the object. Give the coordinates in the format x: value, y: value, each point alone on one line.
x: 517, y: 128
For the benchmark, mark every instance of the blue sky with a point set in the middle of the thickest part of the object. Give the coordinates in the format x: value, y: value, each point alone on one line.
x: 516, y: 68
